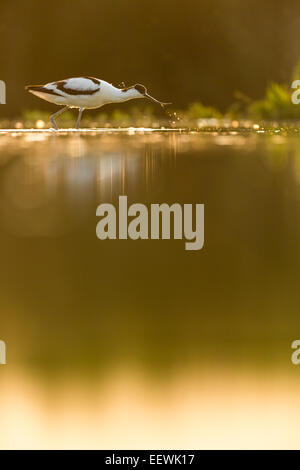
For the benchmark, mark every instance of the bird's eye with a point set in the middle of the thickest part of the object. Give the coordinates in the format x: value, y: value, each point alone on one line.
x: 141, y: 89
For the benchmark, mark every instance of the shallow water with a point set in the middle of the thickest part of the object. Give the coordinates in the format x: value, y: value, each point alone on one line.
x: 141, y: 344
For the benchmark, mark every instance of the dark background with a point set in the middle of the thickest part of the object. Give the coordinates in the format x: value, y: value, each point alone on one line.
x: 182, y: 51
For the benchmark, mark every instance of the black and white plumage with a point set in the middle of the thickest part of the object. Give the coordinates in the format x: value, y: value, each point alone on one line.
x: 86, y: 93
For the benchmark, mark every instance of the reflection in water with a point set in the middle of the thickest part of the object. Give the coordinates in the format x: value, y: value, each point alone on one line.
x: 141, y: 343
x: 211, y: 410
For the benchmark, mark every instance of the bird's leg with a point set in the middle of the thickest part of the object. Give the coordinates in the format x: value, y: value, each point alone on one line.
x: 79, y: 117
x: 52, y: 118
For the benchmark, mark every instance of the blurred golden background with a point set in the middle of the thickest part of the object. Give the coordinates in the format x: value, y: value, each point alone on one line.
x: 204, y: 51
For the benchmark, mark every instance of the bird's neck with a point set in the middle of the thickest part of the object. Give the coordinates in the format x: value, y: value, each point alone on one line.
x: 118, y: 95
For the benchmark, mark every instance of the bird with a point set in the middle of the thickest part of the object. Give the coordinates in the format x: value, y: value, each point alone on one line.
x: 86, y: 93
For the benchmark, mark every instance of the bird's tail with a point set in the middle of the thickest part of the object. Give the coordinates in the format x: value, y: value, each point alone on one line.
x: 34, y: 88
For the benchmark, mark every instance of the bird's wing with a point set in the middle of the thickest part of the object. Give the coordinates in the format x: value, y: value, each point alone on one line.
x: 77, y: 86
x: 50, y: 90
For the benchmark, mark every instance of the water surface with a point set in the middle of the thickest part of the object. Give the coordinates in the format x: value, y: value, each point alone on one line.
x: 141, y: 344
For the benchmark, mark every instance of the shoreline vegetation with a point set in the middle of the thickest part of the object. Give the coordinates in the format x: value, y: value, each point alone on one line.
x: 274, y: 110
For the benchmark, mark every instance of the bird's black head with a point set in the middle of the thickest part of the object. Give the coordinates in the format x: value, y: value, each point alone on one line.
x: 141, y: 89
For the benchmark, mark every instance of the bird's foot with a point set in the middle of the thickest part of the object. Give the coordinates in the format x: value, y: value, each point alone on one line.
x: 54, y: 124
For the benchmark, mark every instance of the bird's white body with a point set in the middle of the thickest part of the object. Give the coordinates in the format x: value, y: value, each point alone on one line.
x: 86, y: 93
